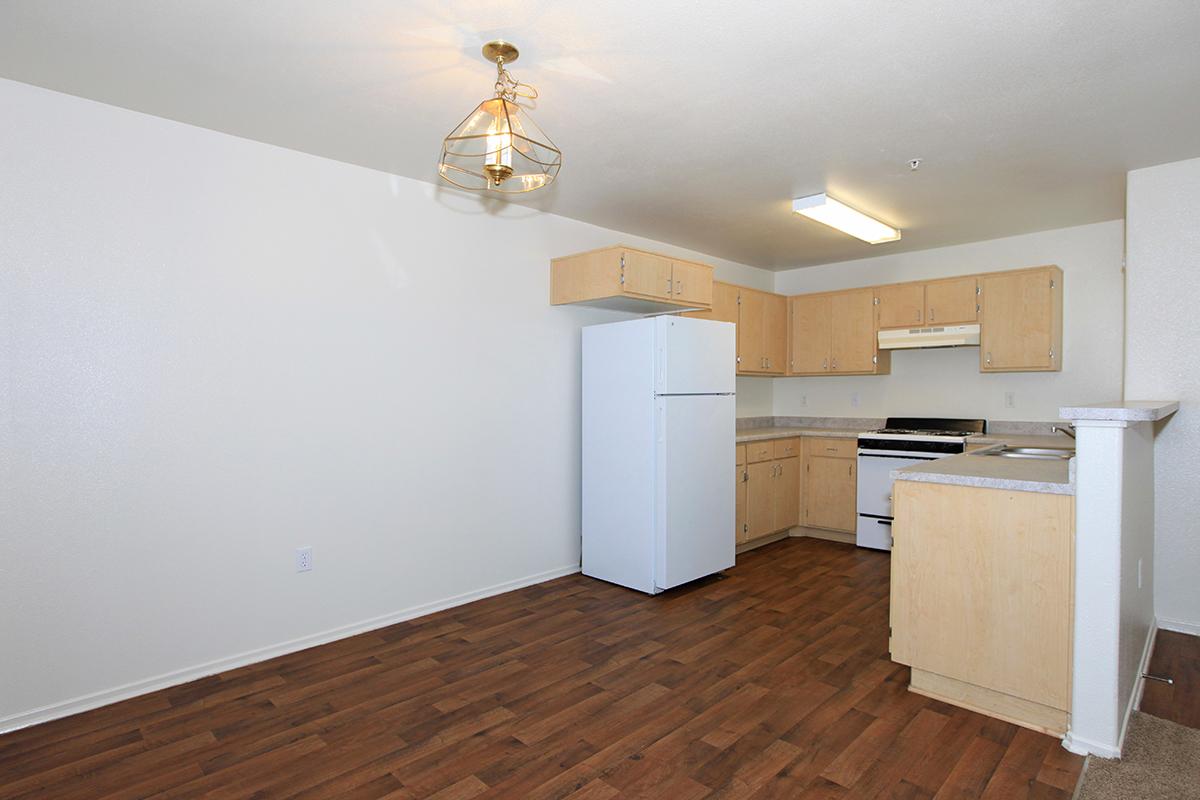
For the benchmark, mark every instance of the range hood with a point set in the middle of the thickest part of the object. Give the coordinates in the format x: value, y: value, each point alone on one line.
x: 939, y: 336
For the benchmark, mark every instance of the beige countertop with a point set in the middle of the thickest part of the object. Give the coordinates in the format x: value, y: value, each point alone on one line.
x: 1048, y: 476
x: 763, y: 434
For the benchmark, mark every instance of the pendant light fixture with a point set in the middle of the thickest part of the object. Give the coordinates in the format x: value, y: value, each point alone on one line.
x: 498, y: 147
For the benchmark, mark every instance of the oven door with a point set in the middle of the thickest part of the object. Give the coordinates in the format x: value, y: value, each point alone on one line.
x: 875, y: 495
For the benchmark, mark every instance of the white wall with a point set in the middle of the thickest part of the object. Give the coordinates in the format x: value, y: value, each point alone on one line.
x: 1161, y: 351
x: 216, y: 351
x: 948, y: 382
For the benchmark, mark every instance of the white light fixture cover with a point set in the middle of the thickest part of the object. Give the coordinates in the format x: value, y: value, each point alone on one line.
x: 836, y: 214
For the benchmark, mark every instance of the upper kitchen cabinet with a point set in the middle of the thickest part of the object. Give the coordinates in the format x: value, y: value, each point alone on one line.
x: 945, y: 302
x: 1021, y: 320
x: 953, y: 301
x: 627, y: 279
x: 833, y: 333
x: 761, y: 319
x: 901, y: 305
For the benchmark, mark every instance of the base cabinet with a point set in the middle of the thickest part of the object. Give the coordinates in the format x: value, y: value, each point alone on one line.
x: 768, y: 490
x: 830, y: 484
x: 981, y: 599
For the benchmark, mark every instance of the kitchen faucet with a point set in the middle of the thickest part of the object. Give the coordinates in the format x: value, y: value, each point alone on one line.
x: 1069, y: 430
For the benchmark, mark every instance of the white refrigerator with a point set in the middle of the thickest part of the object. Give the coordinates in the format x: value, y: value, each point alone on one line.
x: 658, y: 451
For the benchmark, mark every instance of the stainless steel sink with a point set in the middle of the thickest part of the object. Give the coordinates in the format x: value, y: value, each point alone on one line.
x: 1048, y: 453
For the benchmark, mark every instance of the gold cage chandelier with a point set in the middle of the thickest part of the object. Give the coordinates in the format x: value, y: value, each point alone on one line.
x: 498, y: 147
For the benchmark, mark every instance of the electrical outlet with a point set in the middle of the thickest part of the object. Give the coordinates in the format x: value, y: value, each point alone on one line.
x: 1010, y: 399
x: 854, y: 399
x: 304, y: 559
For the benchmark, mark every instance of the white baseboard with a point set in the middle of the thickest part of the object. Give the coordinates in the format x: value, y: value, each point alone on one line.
x: 105, y: 697
x: 1086, y: 747
x: 1178, y: 626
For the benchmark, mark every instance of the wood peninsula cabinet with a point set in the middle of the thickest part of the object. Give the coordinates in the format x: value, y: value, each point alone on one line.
x: 761, y: 319
x: 834, y: 333
x: 982, y: 599
x: 831, y: 484
x: 628, y: 279
x: 1021, y: 321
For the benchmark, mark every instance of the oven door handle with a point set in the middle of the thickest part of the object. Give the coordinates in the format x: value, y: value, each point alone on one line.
x: 926, y: 456
x: 887, y: 522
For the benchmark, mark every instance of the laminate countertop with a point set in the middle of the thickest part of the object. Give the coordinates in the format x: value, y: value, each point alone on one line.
x: 763, y: 434
x: 1048, y: 476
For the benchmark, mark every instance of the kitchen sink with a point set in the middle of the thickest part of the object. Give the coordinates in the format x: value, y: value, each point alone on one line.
x: 1048, y: 453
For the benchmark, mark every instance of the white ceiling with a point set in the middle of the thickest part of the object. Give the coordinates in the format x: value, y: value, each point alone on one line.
x: 690, y: 122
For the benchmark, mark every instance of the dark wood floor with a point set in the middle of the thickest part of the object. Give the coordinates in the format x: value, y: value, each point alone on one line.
x: 771, y: 683
x: 1176, y: 656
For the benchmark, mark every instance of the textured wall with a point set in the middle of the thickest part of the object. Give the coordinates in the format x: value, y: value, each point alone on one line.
x: 1162, y: 353
x: 215, y: 351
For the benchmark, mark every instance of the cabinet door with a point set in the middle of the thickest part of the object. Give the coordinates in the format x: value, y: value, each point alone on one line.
x: 829, y: 493
x: 647, y: 275
x: 739, y: 528
x: 951, y: 302
x: 809, y: 329
x: 693, y: 282
x: 853, y: 339
x: 775, y: 333
x: 1018, y: 321
x: 901, y: 305
x: 751, y: 327
x: 724, y: 304
x: 787, y: 493
x: 760, y: 499
x: 988, y: 609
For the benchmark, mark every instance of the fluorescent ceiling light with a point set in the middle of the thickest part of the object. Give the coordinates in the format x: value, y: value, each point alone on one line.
x: 835, y: 214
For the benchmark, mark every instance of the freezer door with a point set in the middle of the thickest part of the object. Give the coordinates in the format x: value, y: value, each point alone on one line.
x: 694, y: 505
x: 694, y: 356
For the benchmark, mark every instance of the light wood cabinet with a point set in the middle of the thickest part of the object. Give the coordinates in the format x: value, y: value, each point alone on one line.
x: 901, y: 305
x: 768, y: 489
x: 953, y: 301
x: 629, y: 279
x: 741, y: 529
x: 787, y: 493
x: 1021, y: 321
x: 811, y: 331
x: 762, y: 333
x: 761, y: 319
x: 830, y: 484
x: 833, y: 333
x: 981, y: 598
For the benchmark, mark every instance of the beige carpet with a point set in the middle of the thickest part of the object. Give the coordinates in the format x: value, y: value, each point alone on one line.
x: 1160, y: 761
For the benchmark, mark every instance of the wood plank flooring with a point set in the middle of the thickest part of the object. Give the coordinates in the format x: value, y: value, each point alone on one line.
x: 772, y: 682
x: 1176, y: 656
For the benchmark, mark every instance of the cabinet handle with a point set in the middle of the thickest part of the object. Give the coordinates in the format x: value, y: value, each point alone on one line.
x: 918, y: 315
x: 835, y: 363
x: 830, y: 449
x: 678, y: 287
x: 988, y: 359
x: 825, y: 364
x: 931, y: 313
x: 668, y: 285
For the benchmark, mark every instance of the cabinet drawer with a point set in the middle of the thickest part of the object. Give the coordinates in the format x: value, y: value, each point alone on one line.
x: 787, y: 448
x: 833, y: 448
x: 739, y: 454
x: 760, y: 451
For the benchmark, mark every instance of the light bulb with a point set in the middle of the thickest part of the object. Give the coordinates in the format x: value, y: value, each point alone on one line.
x: 498, y: 158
